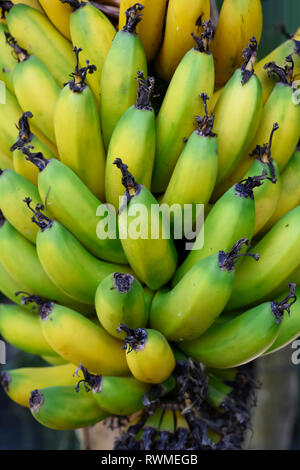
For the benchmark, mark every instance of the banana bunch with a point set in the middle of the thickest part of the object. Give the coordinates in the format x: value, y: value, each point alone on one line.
x: 106, y: 172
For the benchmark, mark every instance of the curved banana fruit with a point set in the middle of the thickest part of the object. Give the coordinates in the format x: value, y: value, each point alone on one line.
x: 9, y: 117
x: 236, y: 342
x: 236, y: 205
x: 69, y: 333
x: 289, y: 196
x: 67, y: 263
x: 176, y: 118
x: 27, y: 139
x: 22, y: 329
x: 80, y: 147
x: 44, y: 41
x: 119, y: 87
x: 92, y: 31
x: 150, y: 29
x: 31, y: 3
x: 54, y: 360
x: 218, y: 392
x: 59, y: 15
x: 9, y: 287
x: 239, y: 21
x: 30, y: 77
x: 279, y: 253
x: 19, y: 383
x: 65, y: 195
x: 148, y: 354
x: 195, y: 173
x: 7, y: 61
x: 120, y: 299
x: 209, y: 284
x: 63, y: 408
x: 133, y: 140
x: 290, y: 327
x: 13, y: 189
x: 145, y: 233
x: 182, y: 20
x: 241, y: 99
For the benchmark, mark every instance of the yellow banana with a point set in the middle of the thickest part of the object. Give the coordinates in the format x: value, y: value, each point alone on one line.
x: 59, y: 15
x: 7, y: 5
x: 182, y: 20
x: 126, y: 57
x: 133, y: 140
x: 9, y: 287
x: 176, y: 118
x: 5, y: 162
x: 93, y: 33
x: 150, y: 29
x: 9, y: 117
x: 19, y: 383
x: 239, y: 21
x: 38, y: 36
x: 54, y: 360
x: 7, y: 61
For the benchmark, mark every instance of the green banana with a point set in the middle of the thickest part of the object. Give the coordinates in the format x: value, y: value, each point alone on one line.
x: 19, y: 383
x: 218, y: 392
x: 65, y: 195
x: 93, y: 32
x: 7, y: 61
x: 63, y: 408
x: 30, y: 78
x: 66, y: 261
x: 152, y: 255
x: 175, y: 121
x: 209, y: 285
x: 241, y: 339
x: 148, y: 354
x: 125, y: 58
x: 120, y: 299
x: 69, y: 333
x: 38, y: 36
x: 195, y: 173
x: 13, y: 189
x: 290, y: 328
x: 22, y: 329
x: 279, y: 253
x: 133, y: 140
x: 237, y: 114
x: 237, y: 206
x: 77, y: 130
x: 9, y: 287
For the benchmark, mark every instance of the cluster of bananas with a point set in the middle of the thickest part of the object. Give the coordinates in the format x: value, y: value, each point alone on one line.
x: 123, y: 309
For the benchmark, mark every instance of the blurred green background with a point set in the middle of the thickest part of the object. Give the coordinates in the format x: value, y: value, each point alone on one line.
x: 18, y: 430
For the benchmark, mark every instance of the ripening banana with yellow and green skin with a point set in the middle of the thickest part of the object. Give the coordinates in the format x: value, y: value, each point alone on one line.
x: 9, y: 287
x: 150, y: 29
x: 27, y: 139
x: 32, y: 3
x: 78, y: 133
x: 59, y: 15
x: 150, y: 250
x: 64, y: 408
x: 241, y: 99
x: 290, y: 326
x: 22, y: 329
x: 209, y: 284
x: 19, y: 383
x: 182, y: 19
x: 279, y: 253
x: 9, y: 117
x: 120, y: 299
x: 19, y: 258
x: 67, y: 263
x: 195, y: 173
x: 38, y: 36
x: 289, y: 196
x: 5, y: 162
x: 92, y: 31
x: 13, y: 189
x: 54, y: 360
x: 240, y: 340
x: 148, y: 354
x: 236, y: 205
x: 126, y: 57
x: 239, y: 21
x: 176, y: 118
x: 79, y: 340
x: 7, y: 61
x: 133, y: 140
x: 30, y: 77
x: 65, y: 196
